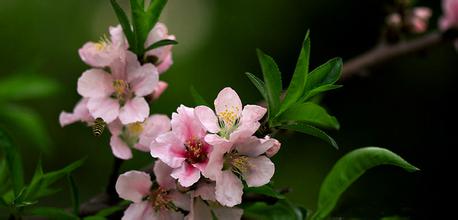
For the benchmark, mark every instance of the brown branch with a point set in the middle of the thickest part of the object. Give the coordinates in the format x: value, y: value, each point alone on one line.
x: 377, y: 56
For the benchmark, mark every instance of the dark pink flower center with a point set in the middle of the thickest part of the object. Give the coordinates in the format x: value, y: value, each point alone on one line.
x: 196, y: 151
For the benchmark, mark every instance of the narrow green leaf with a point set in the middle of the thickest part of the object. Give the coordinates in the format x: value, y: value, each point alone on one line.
x: 265, y: 190
x: 326, y: 74
x: 35, y: 182
x: 26, y: 86
x: 258, y: 83
x: 161, y: 43
x: 14, y: 162
x: 74, y: 193
x: 313, y: 131
x: 273, y: 85
x: 309, y: 112
x: 28, y: 123
x: 281, y: 210
x: 52, y: 213
x: 52, y: 177
x: 124, y: 21
x: 324, y: 88
x: 299, y: 79
x: 348, y: 169
x: 198, y: 99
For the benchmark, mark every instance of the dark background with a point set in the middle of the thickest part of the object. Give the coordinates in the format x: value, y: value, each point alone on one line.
x: 405, y: 105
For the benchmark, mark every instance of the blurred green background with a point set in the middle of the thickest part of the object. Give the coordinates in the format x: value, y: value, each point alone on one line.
x: 405, y: 105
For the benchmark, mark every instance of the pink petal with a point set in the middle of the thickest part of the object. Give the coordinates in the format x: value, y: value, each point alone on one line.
x: 180, y: 200
x: 80, y: 113
x: 228, y: 101
x: 165, y: 64
x: 115, y: 127
x: 159, y: 32
x: 215, y: 161
x: 205, y: 190
x: 140, y: 211
x: 153, y: 126
x: 254, y: 146
x: 260, y: 171
x: 133, y: 185
x: 105, y: 108
x: 168, y: 149
x: 120, y: 148
x: 95, y: 83
x: 252, y: 113
x: 160, y: 88
x: 185, y: 124
x: 199, y: 211
x: 95, y: 57
x: 186, y: 175
x: 244, y: 131
x: 226, y: 213
x: 143, y: 80
x: 208, y: 118
x: 162, y: 172
x: 229, y: 189
x: 274, y: 149
x: 214, y: 139
x: 118, y: 39
x: 135, y: 110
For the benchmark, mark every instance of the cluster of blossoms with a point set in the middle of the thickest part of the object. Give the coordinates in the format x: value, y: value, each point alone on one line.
x: 204, y: 157
x: 416, y: 20
x: 449, y: 19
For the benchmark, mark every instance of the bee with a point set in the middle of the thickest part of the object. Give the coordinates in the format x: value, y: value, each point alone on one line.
x: 98, y: 127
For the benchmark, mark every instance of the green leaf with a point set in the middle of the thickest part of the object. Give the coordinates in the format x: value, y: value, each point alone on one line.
x: 258, y: 83
x: 143, y: 21
x: 198, y: 99
x: 311, y: 113
x: 299, y: 79
x: 40, y: 188
x: 4, y: 183
x: 281, y: 210
x: 94, y: 218
x: 265, y: 190
x: 75, y: 194
x: 124, y: 21
x: 161, y: 43
x: 272, y: 79
x: 324, y: 88
x: 13, y: 159
x: 29, y: 124
x: 26, y: 86
x: 52, y: 213
x: 326, y: 74
x: 313, y: 131
x: 111, y: 210
x: 349, y: 168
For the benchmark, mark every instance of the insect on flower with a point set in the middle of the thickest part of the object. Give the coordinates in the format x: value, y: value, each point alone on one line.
x: 98, y: 127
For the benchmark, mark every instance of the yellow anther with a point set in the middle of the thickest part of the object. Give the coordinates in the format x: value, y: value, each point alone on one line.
x: 120, y: 86
x: 240, y: 163
x: 135, y: 129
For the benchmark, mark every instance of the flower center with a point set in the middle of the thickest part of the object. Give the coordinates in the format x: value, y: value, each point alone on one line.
x: 196, y: 151
x: 103, y: 43
x: 160, y: 200
x: 236, y: 163
x: 135, y: 129
x: 121, y: 88
x: 229, y: 116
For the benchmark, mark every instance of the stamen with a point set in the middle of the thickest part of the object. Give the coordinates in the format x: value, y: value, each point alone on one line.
x: 103, y: 43
x: 195, y: 151
x: 135, y: 129
x: 160, y: 200
x: 240, y: 164
x: 229, y: 116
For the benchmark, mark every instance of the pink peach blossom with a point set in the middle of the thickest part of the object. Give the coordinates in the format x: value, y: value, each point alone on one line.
x: 201, y: 210
x: 244, y: 159
x: 121, y: 93
x: 151, y: 202
x: 161, y: 56
x: 418, y: 20
x: 450, y: 17
x: 80, y: 113
x: 231, y: 123
x: 136, y: 135
x: 184, y: 148
x: 106, y: 51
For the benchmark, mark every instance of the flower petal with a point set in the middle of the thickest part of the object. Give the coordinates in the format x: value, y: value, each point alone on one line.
x: 120, y: 148
x: 226, y: 213
x: 186, y: 175
x: 181, y: 200
x: 140, y: 211
x: 133, y: 185
x: 229, y: 189
x: 205, y: 190
x: 208, y: 118
x: 185, y: 124
x: 135, y: 110
x: 260, y: 171
x: 162, y: 172
x: 228, y: 105
x: 244, y: 131
x: 168, y: 149
x: 143, y: 80
x: 215, y: 161
x: 96, y: 54
x: 80, y: 113
x: 252, y: 113
x: 214, y: 139
x: 165, y: 64
x: 153, y: 126
x: 160, y: 88
x: 254, y: 146
x: 95, y: 83
x: 105, y: 108
x: 199, y: 211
